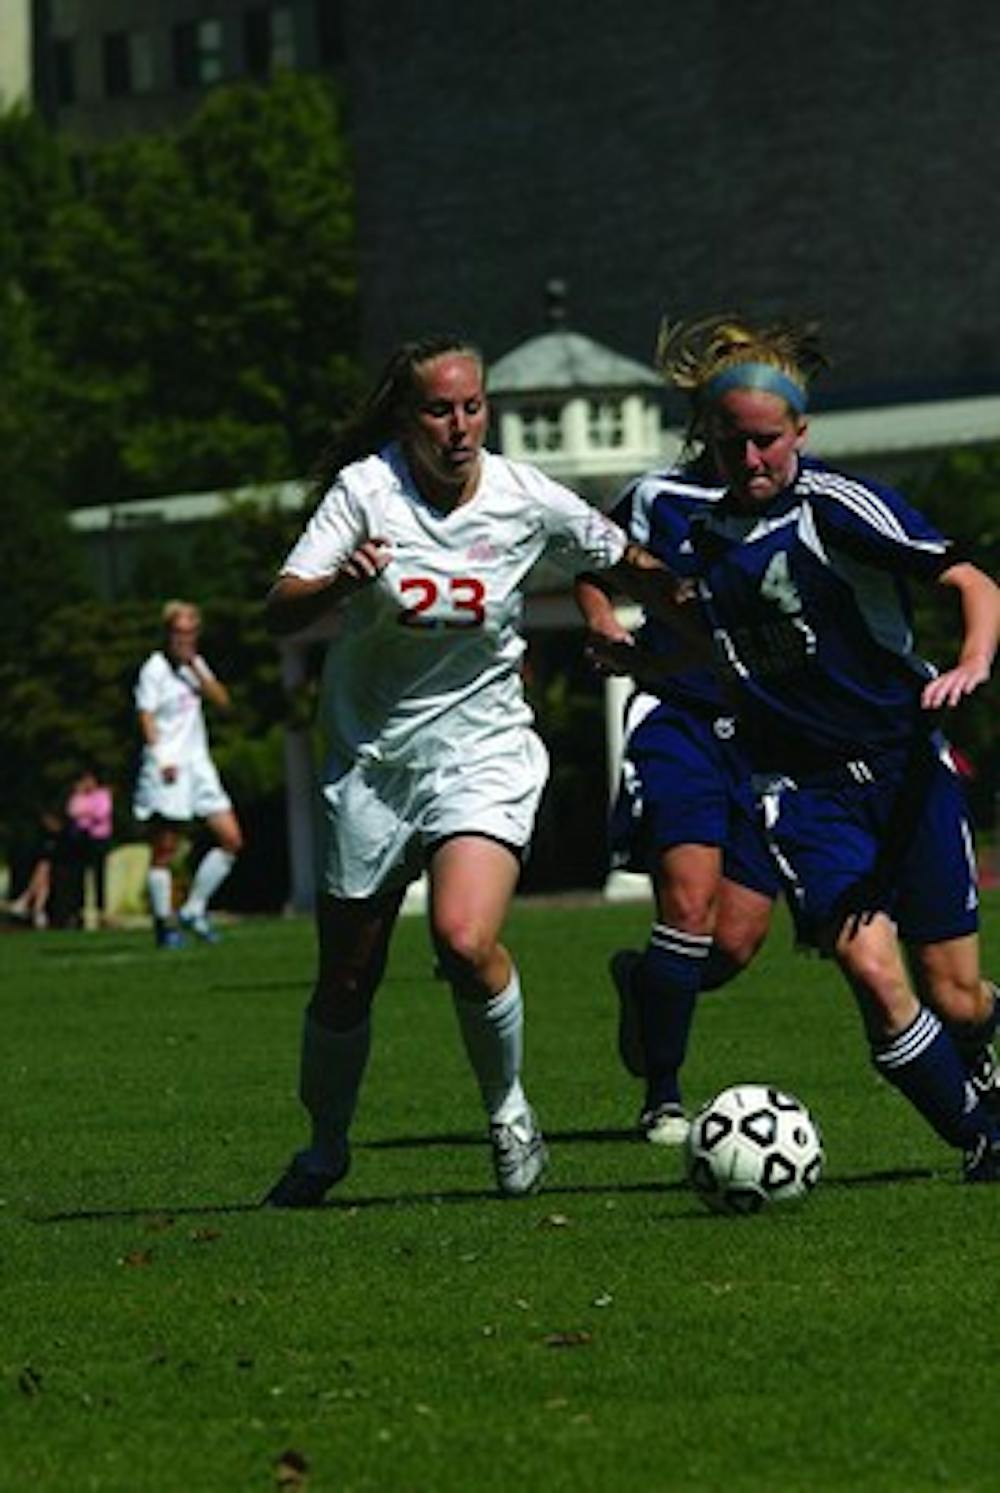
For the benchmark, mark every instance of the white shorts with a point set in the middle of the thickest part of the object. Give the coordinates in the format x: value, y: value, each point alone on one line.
x: 195, y: 793
x: 379, y: 821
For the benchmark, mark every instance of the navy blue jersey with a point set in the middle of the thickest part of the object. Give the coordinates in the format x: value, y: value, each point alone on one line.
x: 656, y: 511
x: 808, y: 601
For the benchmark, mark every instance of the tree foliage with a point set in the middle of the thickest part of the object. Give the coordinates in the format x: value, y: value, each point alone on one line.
x: 197, y: 293
x: 177, y: 313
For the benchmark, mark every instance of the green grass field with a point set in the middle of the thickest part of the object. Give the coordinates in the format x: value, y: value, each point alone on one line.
x: 160, y: 1332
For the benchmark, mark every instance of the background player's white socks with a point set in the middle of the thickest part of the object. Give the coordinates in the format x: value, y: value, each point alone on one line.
x: 159, y: 884
x: 332, y: 1067
x: 211, y: 873
x: 493, y: 1033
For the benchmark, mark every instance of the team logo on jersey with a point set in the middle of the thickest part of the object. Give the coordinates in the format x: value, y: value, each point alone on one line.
x: 483, y: 551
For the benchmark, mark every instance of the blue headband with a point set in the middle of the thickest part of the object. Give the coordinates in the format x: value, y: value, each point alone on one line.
x: 757, y: 376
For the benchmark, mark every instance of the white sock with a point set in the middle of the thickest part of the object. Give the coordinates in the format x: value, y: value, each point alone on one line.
x: 493, y: 1033
x: 212, y: 871
x: 159, y: 884
x: 332, y: 1067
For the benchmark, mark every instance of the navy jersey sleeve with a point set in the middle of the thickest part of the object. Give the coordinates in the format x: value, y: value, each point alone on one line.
x: 874, y: 524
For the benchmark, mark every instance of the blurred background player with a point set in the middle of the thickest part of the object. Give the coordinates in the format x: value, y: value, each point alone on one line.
x: 685, y: 813
x: 803, y: 575
x: 431, y: 759
x: 178, y: 781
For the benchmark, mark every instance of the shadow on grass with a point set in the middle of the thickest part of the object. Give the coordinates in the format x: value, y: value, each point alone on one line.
x: 164, y: 1216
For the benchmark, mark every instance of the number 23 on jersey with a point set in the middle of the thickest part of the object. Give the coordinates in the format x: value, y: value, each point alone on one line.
x: 460, y: 602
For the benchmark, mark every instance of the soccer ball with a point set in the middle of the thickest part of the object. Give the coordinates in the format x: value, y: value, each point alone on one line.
x: 753, y: 1145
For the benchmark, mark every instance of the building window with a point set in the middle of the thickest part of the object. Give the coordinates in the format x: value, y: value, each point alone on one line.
x: 269, y: 39
x: 542, y: 428
x: 283, y: 52
x: 605, y: 423
x: 198, y: 53
x: 128, y: 64
x: 64, y: 72
x: 141, y: 51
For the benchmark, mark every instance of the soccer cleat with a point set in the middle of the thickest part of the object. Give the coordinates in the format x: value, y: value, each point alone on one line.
x: 982, y: 1161
x: 621, y: 967
x: 169, y: 938
x: 519, y: 1155
x: 666, y: 1125
x: 302, y: 1186
x: 198, y: 924
x: 984, y: 1075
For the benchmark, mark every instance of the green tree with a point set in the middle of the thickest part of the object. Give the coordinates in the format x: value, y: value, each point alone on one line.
x: 199, y: 296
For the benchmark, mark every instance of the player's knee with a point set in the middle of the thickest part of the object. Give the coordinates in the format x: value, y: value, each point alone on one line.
x: 961, y: 1003
x: 464, y: 949
x: 342, y: 1001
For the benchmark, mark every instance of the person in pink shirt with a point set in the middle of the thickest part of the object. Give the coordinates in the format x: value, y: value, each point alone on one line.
x: 90, y: 814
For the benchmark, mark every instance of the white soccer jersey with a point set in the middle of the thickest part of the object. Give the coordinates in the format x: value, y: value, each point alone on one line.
x: 172, y: 696
x: 426, y: 664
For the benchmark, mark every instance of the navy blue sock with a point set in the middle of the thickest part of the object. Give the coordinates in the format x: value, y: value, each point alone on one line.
x: 666, y: 981
x: 924, y: 1065
x: 718, y: 969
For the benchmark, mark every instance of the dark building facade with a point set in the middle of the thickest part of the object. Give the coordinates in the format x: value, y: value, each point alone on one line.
x: 106, y: 67
x: 836, y: 161
x: 683, y: 156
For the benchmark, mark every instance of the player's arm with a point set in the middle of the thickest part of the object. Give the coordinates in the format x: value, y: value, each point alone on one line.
x: 980, y: 600
x: 147, y: 726
x: 669, y: 598
x: 608, y: 643
x: 211, y: 687
x: 295, y: 602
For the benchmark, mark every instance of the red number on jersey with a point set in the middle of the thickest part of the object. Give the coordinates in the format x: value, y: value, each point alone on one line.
x: 466, y: 599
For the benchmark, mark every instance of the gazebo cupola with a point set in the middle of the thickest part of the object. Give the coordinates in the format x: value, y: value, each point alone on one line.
x: 575, y: 408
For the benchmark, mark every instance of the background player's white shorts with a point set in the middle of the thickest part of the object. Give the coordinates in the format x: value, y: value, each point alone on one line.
x: 379, y: 820
x: 195, y: 793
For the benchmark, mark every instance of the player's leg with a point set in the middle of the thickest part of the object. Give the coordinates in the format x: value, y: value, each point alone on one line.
x: 472, y: 880
x: 211, y: 803
x: 213, y: 868
x: 678, y: 824
x: 353, y: 938
x: 667, y: 976
x: 910, y: 1047
x: 949, y: 979
x: 160, y: 883
x: 829, y: 841
x: 939, y: 926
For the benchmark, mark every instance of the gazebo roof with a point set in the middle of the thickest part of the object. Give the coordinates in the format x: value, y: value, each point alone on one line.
x: 562, y: 361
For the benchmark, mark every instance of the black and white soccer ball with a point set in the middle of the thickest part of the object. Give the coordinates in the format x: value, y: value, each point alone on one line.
x: 753, y: 1145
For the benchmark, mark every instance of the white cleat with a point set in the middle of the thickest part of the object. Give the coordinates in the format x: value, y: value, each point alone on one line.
x: 666, y: 1125
x: 519, y: 1155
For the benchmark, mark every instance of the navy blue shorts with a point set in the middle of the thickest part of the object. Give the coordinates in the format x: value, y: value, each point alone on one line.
x: 845, y: 850
x: 686, y: 782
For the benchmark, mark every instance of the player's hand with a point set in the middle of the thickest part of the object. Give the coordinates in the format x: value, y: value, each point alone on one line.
x: 610, y: 652
x: 367, y: 562
x: 950, y: 688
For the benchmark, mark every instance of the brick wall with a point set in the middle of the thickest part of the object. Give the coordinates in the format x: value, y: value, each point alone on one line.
x: 835, y: 158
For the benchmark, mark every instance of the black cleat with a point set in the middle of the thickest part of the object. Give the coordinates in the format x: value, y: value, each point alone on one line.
x: 984, y: 1075
x: 302, y: 1186
x: 982, y: 1161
